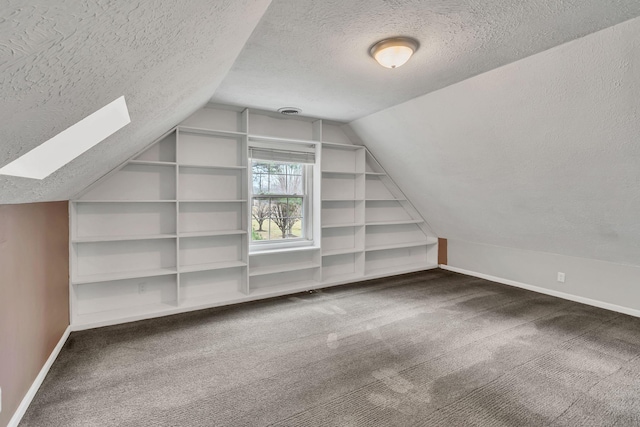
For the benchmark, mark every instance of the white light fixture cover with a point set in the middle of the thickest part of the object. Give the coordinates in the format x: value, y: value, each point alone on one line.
x: 50, y: 156
x: 392, y: 53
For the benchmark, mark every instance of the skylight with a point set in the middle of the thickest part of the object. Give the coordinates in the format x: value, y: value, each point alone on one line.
x: 50, y: 156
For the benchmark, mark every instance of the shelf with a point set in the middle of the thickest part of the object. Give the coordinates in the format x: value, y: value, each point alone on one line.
x: 261, y: 271
x: 401, y: 222
x: 284, y: 250
x: 124, y: 201
x: 212, y: 266
x: 343, y: 146
x: 191, y: 129
x: 344, y: 225
x: 402, y: 269
x: 97, y: 239
x: 343, y: 278
x: 333, y: 252
x: 151, y: 163
x: 203, y: 170
x: 212, y: 201
x: 277, y: 139
x: 211, y: 233
x: 427, y: 242
x: 182, y: 165
x: 222, y: 298
x: 285, y: 289
x: 108, y: 277
x: 334, y: 172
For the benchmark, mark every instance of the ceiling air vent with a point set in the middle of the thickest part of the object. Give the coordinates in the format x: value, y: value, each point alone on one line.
x: 289, y: 111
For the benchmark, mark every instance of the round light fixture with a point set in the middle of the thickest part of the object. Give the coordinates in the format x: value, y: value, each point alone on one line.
x: 394, y: 52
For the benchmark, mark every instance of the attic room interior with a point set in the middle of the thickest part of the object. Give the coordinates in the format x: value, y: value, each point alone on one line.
x: 336, y: 213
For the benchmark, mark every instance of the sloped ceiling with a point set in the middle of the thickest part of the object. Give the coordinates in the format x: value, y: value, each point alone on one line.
x: 62, y: 60
x: 542, y: 154
x: 314, y: 54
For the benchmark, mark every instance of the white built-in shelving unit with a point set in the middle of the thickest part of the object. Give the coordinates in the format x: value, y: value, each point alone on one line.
x: 168, y: 231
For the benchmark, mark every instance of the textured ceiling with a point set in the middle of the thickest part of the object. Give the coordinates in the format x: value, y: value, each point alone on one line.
x: 314, y: 54
x: 62, y: 60
x: 542, y: 154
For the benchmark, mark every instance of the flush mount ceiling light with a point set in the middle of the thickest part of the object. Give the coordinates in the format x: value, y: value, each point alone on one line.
x: 394, y: 52
x: 51, y: 155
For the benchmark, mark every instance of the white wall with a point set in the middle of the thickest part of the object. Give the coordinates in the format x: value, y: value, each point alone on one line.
x: 605, y: 284
x: 540, y: 155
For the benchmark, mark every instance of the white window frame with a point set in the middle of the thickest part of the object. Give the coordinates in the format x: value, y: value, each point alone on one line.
x: 307, y: 208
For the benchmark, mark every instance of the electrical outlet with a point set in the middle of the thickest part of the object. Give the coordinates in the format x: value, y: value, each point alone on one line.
x: 560, y: 277
x: 142, y: 287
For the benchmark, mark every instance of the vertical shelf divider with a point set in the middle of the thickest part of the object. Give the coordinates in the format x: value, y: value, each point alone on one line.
x: 177, y: 219
x: 360, y: 232
x: 246, y: 210
x: 245, y: 221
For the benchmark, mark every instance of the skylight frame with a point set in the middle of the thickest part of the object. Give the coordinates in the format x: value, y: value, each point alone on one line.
x: 69, y: 144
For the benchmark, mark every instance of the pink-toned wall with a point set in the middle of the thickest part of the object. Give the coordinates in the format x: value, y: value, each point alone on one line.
x: 34, y: 294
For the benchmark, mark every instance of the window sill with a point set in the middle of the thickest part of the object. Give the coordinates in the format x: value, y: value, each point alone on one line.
x: 277, y: 250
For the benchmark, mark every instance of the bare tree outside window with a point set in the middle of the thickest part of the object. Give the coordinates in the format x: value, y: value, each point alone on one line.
x: 285, y: 213
x: 260, y: 211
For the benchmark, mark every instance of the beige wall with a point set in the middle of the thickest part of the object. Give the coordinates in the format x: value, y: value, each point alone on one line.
x: 34, y: 293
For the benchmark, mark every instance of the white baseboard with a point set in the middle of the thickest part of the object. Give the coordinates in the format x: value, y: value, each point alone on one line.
x: 570, y: 297
x: 22, y: 409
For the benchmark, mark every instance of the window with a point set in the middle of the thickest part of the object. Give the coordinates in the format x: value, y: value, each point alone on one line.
x: 280, y: 197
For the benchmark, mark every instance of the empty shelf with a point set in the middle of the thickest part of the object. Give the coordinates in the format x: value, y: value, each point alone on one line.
x: 401, y: 222
x: 261, y: 271
x: 333, y: 252
x: 211, y: 233
x: 346, y: 224
x: 212, y: 201
x: 151, y: 163
x: 212, y: 266
x: 107, y: 277
x: 336, y: 172
x: 202, y: 131
x: 211, y: 166
x: 400, y: 269
x: 400, y: 245
x: 94, y: 239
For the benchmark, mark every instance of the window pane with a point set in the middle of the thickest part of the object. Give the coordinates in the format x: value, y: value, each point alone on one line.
x: 294, y: 184
x: 275, y: 233
x: 260, y: 171
x: 296, y: 228
x: 277, y: 218
x: 259, y: 219
x: 294, y: 206
x: 278, y: 184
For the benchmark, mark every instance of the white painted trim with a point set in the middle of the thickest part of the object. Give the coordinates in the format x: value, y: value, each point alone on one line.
x: 26, y: 401
x: 563, y: 295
